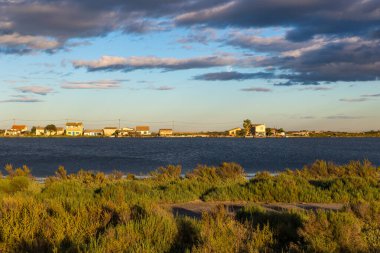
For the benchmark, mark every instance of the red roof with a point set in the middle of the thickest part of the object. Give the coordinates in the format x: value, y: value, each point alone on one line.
x: 142, y: 128
x: 19, y: 127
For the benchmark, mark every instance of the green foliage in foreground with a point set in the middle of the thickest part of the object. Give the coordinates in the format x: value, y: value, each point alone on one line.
x: 320, y: 182
x: 94, y: 212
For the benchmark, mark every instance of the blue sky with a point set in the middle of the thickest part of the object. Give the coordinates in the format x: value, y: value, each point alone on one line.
x: 205, y: 66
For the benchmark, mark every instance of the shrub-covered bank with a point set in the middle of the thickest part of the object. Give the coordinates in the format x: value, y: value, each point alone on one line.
x: 94, y: 212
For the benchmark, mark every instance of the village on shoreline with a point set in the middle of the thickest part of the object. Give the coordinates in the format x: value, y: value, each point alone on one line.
x: 248, y: 130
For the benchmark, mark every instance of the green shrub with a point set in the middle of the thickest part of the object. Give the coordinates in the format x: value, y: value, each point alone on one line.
x: 284, y: 225
x: 168, y: 173
x: 224, y: 172
x: 19, y: 183
x: 328, y: 231
x: 219, y: 232
x: 61, y: 173
x: 24, y: 171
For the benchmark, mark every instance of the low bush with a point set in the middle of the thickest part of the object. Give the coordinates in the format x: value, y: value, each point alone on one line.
x: 220, y: 232
x: 224, y: 172
x: 328, y: 231
x: 24, y: 171
x: 168, y: 173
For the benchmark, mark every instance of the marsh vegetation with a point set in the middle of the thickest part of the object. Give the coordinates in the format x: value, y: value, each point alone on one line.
x: 94, y: 212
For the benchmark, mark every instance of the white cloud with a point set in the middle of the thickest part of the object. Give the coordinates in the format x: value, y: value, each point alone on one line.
x: 40, y: 90
x: 92, y: 85
x: 204, y: 14
x: 21, y: 99
x: 162, y: 88
x: 317, y: 88
x: 256, y: 89
x: 151, y: 62
x: 353, y: 100
x: 28, y: 41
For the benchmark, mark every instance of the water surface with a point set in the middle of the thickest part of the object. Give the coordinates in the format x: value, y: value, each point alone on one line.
x: 140, y: 156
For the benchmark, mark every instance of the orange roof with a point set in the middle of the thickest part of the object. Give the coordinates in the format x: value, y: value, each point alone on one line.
x: 142, y: 128
x: 19, y: 127
x: 74, y: 124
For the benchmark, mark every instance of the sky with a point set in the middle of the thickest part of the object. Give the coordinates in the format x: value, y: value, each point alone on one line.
x: 193, y: 65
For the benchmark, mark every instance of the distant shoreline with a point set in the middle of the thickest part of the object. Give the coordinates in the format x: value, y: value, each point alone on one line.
x: 174, y: 137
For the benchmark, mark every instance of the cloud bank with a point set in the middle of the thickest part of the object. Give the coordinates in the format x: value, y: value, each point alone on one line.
x: 317, y: 41
x: 303, y: 19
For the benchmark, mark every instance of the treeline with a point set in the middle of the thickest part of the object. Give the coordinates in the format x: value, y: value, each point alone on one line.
x: 94, y: 212
x: 371, y: 133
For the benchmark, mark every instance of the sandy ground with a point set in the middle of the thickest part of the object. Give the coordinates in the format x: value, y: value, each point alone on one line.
x: 196, y: 208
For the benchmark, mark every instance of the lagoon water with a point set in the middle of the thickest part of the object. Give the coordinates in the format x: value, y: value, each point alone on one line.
x: 139, y: 156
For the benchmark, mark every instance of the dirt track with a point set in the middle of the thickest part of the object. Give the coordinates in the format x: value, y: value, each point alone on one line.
x: 196, y: 208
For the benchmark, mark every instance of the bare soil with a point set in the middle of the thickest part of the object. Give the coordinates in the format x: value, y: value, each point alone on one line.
x: 195, y: 209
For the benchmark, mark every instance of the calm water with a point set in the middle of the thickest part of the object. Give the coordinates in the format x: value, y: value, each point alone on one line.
x: 140, y: 156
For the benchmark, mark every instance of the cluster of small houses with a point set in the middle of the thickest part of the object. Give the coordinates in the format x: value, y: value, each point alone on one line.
x: 77, y: 129
x: 259, y: 131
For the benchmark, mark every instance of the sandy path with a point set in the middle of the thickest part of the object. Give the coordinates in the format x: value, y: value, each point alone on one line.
x: 196, y: 208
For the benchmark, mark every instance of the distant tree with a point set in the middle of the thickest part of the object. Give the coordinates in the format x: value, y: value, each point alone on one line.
x: 51, y: 129
x: 240, y: 133
x: 281, y: 130
x: 33, y: 130
x: 247, y: 125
